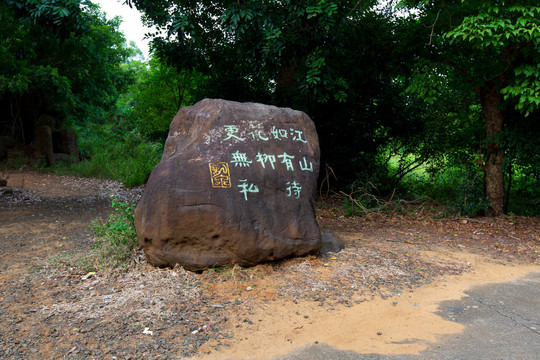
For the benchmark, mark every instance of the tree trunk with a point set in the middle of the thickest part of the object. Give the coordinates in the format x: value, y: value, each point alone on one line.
x: 285, y: 83
x: 490, y: 98
x: 508, y: 189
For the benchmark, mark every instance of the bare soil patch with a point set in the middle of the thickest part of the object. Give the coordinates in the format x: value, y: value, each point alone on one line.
x: 390, y: 263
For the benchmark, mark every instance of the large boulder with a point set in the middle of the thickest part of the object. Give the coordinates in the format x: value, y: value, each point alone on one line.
x: 235, y: 186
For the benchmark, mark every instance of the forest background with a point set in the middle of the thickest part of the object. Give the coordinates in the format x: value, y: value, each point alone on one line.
x: 412, y: 99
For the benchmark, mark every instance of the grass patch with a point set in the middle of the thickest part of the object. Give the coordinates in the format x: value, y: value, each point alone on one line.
x: 117, y: 239
x: 110, y: 152
x: 459, y: 189
x: 116, y: 248
x: 15, y: 160
x: 115, y: 154
x: 235, y: 274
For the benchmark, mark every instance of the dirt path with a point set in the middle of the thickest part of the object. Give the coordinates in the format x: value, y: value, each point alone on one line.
x: 406, y: 323
x: 389, y: 279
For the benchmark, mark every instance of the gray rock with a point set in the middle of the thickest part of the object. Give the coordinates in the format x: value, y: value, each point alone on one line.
x: 331, y: 242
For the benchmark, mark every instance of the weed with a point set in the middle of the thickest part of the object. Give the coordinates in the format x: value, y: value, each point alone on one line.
x: 119, y: 229
x: 115, y: 248
x: 460, y: 189
x: 80, y: 263
x: 351, y: 208
x: 236, y: 274
x: 114, y: 153
x: 117, y: 238
x: 35, y: 268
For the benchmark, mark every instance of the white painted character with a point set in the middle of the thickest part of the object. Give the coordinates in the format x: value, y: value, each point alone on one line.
x: 231, y: 131
x: 287, y: 160
x: 293, y: 188
x: 240, y: 159
x: 246, y: 188
x: 264, y: 158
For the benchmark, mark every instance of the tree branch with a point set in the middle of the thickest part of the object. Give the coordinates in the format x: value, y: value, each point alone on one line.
x: 433, y: 28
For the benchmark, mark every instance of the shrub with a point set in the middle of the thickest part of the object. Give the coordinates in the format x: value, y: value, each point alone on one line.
x: 461, y: 189
x: 117, y: 238
x: 115, y: 249
x: 121, y: 155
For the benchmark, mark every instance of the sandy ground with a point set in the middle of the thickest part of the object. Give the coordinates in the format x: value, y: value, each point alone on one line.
x: 402, y: 324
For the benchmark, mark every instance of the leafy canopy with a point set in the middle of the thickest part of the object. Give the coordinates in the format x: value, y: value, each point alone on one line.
x: 487, y: 40
x: 57, y: 57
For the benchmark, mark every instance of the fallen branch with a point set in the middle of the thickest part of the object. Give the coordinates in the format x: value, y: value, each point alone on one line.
x: 327, y: 180
x: 403, y: 241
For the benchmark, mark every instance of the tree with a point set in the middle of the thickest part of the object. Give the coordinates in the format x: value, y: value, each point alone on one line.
x: 493, y: 48
x: 157, y: 94
x: 336, y: 60
x: 57, y: 57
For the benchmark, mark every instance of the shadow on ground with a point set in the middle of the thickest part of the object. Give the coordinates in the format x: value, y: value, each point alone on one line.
x: 502, y: 321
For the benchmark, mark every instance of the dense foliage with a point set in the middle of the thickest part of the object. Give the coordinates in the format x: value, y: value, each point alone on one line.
x: 57, y: 58
x: 64, y: 59
x: 338, y: 61
x: 151, y: 102
x: 442, y: 101
x: 490, y: 52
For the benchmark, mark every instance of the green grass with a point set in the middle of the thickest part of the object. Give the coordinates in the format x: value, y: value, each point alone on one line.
x: 114, y: 153
x: 461, y: 190
x: 117, y: 238
x: 111, y: 153
x: 115, y: 249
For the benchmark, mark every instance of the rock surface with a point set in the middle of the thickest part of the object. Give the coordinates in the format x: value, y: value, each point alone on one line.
x: 57, y: 145
x: 235, y: 186
x: 331, y: 242
x: 65, y: 142
x: 44, y: 144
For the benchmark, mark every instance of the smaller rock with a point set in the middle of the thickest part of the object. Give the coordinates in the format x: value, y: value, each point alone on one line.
x: 331, y: 242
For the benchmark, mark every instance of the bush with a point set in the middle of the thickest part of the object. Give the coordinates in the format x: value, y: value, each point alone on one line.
x: 461, y: 189
x: 115, y: 249
x: 117, y: 238
x: 116, y: 154
x: 16, y: 160
x: 525, y: 194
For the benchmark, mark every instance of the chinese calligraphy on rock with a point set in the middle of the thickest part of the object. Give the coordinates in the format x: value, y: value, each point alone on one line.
x: 220, y: 173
